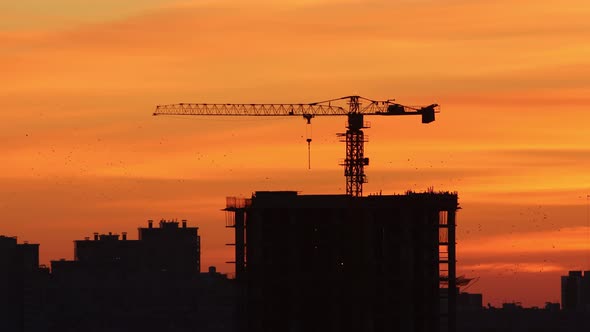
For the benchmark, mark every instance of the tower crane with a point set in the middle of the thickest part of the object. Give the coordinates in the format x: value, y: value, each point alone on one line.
x: 354, y: 137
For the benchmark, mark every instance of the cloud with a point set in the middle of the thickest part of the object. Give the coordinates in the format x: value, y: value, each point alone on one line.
x: 60, y: 14
x: 515, y: 267
x: 570, y: 239
x: 301, y: 40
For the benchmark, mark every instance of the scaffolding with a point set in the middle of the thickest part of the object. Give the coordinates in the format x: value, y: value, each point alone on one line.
x: 235, y: 217
x: 447, y: 259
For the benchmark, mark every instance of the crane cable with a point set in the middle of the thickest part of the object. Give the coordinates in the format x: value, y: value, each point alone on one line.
x: 308, y: 133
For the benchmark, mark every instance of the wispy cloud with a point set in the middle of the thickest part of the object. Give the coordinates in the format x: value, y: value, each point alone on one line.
x: 515, y: 267
x: 570, y: 239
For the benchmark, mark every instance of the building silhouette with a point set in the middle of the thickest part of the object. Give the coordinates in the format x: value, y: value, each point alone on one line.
x: 22, y: 286
x: 313, y: 263
x: 575, y: 291
x: 149, y: 284
x: 342, y: 263
x: 171, y: 248
x: 513, y: 317
x: 469, y: 302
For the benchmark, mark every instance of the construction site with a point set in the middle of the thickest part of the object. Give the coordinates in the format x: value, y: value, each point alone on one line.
x: 341, y: 262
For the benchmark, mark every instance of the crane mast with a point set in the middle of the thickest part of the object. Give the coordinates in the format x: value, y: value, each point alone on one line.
x: 355, y: 160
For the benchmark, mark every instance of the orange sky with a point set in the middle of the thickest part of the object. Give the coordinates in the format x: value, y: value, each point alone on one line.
x: 82, y: 153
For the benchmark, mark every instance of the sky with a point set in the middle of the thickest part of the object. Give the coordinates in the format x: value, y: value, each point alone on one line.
x: 82, y: 152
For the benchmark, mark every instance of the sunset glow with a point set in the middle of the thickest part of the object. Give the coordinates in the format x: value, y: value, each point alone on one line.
x: 82, y: 152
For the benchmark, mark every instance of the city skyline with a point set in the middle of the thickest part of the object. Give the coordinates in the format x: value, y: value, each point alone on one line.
x: 154, y: 282
x: 83, y: 153
x: 114, y: 246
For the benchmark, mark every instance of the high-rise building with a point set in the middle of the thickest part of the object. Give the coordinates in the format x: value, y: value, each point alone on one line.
x: 171, y: 248
x: 18, y: 256
x: 342, y: 263
x: 21, y: 286
x: 575, y: 291
x: 149, y: 284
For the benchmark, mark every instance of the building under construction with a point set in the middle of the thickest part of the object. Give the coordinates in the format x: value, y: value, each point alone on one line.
x: 343, y: 263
